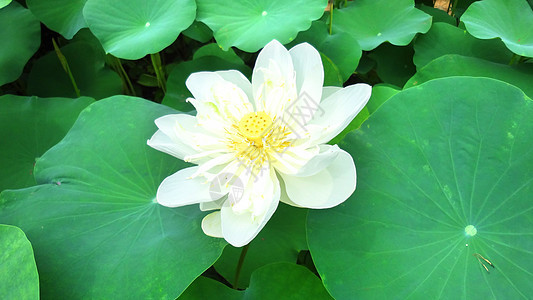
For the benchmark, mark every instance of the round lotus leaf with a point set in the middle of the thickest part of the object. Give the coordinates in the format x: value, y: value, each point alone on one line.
x: 96, y: 227
x: 131, y: 29
x: 509, y: 20
x: 373, y: 22
x: 250, y: 25
x: 443, y: 203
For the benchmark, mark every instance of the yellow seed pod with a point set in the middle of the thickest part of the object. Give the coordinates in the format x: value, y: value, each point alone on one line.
x: 255, y: 125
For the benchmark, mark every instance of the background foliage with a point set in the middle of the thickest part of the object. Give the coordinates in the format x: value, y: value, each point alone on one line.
x: 443, y: 143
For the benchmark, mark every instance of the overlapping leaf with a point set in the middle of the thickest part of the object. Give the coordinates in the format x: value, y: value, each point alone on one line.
x: 380, y: 94
x: 63, y: 16
x: 444, y: 39
x: 198, y: 31
x: 280, y: 241
x: 271, y: 282
x: 87, y: 65
x: 20, y: 36
x: 214, y: 50
x: 29, y: 126
x: 394, y: 64
x: 18, y: 272
x: 458, y: 65
x: 437, y: 15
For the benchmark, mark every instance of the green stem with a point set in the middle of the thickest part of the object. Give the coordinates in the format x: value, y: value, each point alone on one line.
x: 330, y: 17
x: 239, y: 266
x: 515, y: 59
x: 64, y: 64
x: 117, y: 65
x: 454, y: 6
x: 158, y: 69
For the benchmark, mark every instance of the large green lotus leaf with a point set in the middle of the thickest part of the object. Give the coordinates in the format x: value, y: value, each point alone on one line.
x: 97, y: 230
x: 63, y: 16
x: 432, y: 161
x: 87, y: 64
x: 509, y: 20
x: 444, y: 39
x: 29, y: 126
x: 20, y: 33
x: 271, y: 282
x: 394, y: 64
x: 131, y: 29
x: 457, y: 65
x: 340, y: 47
x: 177, y: 92
x: 281, y: 240
x: 373, y: 22
x: 18, y: 272
x: 250, y: 24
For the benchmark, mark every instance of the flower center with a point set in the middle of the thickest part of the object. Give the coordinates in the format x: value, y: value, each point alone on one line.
x: 257, y: 139
x: 254, y: 126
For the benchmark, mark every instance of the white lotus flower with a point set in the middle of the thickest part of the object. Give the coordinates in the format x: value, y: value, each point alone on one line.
x: 259, y: 143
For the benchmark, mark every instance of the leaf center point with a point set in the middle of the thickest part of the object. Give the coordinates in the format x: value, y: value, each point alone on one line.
x: 470, y: 230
